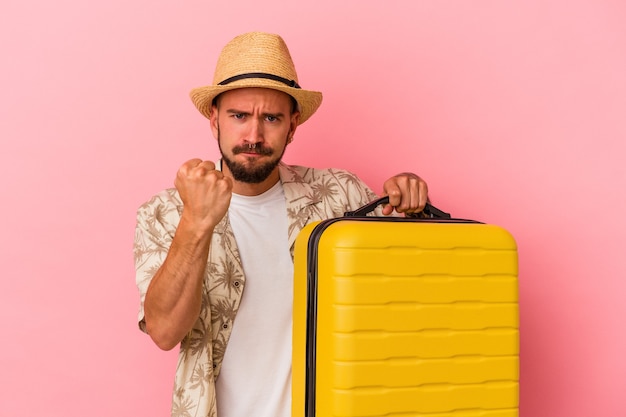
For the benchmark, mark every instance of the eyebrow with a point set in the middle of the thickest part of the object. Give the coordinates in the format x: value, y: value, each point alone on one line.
x: 235, y: 111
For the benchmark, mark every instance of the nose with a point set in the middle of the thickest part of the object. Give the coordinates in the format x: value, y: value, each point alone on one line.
x: 255, y: 133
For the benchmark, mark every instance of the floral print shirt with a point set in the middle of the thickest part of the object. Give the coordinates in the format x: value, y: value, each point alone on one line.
x: 311, y: 195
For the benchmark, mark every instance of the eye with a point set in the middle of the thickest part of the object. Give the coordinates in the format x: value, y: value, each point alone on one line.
x: 239, y: 116
x: 271, y: 118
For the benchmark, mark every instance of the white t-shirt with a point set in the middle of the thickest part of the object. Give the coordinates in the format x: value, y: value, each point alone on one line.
x: 255, y: 378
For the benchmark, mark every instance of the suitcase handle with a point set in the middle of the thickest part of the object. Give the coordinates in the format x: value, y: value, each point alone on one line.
x: 429, y: 210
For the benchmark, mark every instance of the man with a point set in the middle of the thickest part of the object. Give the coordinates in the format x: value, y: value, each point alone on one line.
x: 214, y: 255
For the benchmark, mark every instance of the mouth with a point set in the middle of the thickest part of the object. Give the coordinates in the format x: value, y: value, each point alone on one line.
x: 257, y: 151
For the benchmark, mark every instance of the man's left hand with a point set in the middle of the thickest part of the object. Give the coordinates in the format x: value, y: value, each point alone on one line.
x: 407, y: 192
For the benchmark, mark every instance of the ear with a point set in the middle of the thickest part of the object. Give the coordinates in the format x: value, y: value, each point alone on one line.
x: 214, y: 121
x: 293, y: 125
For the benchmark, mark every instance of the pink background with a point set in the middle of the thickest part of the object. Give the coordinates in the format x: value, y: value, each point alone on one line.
x: 514, y: 112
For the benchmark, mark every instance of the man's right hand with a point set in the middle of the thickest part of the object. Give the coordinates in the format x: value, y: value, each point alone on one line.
x: 205, y: 192
x: 174, y: 297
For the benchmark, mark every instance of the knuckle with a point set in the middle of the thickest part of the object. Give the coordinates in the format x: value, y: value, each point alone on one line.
x: 209, y: 165
x: 191, y: 163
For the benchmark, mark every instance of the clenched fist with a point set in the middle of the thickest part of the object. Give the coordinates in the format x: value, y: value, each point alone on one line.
x: 205, y: 193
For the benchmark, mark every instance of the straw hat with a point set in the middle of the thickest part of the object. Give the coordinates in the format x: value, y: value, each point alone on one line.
x: 256, y: 59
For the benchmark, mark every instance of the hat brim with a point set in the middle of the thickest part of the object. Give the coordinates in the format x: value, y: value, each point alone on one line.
x: 308, y: 101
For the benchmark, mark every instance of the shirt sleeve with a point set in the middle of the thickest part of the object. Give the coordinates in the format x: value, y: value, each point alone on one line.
x: 356, y: 192
x: 155, y: 228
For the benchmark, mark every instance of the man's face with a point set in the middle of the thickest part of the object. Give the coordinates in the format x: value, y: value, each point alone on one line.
x: 253, y: 127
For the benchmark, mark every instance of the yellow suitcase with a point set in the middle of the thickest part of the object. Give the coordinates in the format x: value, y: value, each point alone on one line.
x: 405, y: 317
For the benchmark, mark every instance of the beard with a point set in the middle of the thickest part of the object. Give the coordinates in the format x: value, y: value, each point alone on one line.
x: 251, y: 173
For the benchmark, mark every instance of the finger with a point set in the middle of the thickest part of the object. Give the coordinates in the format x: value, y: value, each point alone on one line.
x: 414, y: 195
x: 395, y: 197
x: 226, y: 183
x: 392, y: 191
x: 423, y: 195
x: 387, y: 209
x: 190, y: 164
x: 417, y: 195
x: 202, y: 169
x: 186, y: 168
x: 208, y: 165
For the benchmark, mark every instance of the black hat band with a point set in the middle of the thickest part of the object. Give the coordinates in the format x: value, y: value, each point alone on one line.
x: 290, y: 83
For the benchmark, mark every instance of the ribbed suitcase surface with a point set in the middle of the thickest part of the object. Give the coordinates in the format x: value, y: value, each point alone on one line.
x: 396, y: 317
